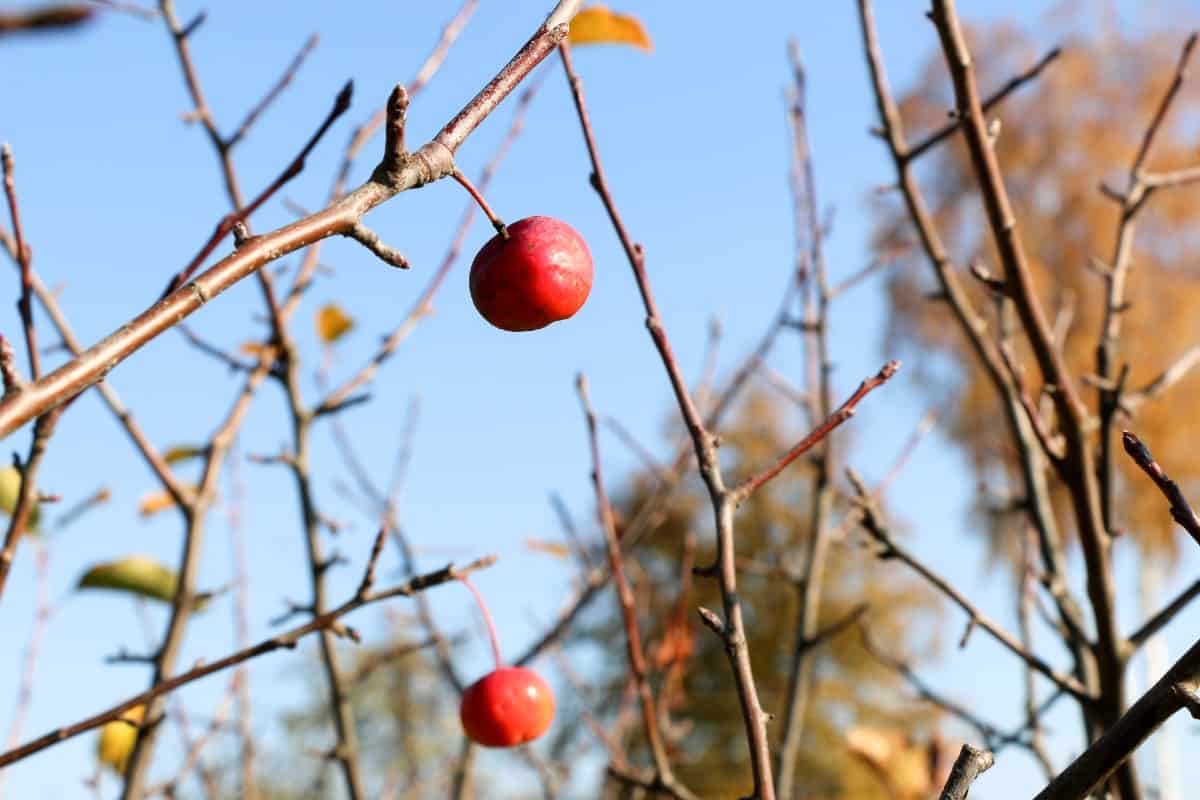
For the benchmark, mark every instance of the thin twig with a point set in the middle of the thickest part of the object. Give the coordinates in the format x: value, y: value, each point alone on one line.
x: 13, y: 382
x: 383, y: 504
x: 285, y: 80
x: 194, y: 512
x: 283, y: 640
x: 370, y: 240
x: 731, y: 630
x: 1110, y: 398
x: 363, y: 133
x: 998, y: 97
x: 33, y: 648
x: 191, y: 760
x: 248, y: 784
x: 873, y: 523
x: 229, y: 222
x: 815, y: 298
x: 47, y: 18
x: 133, y: 9
x: 1175, y: 372
x: 24, y: 261
x: 843, y: 413
x: 27, y: 494
x: 1181, y: 509
x: 991, y: 734
x: 1161, y: 619
x: 1026, y: 604
x: 664, y: 775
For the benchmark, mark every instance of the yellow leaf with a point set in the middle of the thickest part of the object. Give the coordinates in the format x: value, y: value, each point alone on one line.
x: 140, y: 575
x: 905, y: 765
x: 257, y: 349
x: 550, y: 548
x: 155, y: 502
x: 117, y: 739
x: 874, y: 745
x: 599, y: 24
x: 332, y: 323
x: 182, y: 452
x: 10, y: 488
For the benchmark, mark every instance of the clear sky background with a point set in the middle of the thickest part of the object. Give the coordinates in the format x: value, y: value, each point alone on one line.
x: 118, y: 193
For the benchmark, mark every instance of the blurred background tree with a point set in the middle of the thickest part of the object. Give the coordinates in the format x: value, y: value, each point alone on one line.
x: 851, y: 690
x: 1059, y: 138
x: 861, y: 729
x: 408, y: 724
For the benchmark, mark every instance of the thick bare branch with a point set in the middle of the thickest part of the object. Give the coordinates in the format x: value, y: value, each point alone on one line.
x: 432, y: 161
x: 969, y: 765
x: 972, y: 326
x: 1176, y: 690
x: 1078, y: 467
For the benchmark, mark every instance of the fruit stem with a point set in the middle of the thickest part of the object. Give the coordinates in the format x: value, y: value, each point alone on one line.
x: 478, y: 197
x: 487, y: 620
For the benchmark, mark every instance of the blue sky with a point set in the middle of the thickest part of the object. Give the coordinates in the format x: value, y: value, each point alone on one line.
x: 117, y: 194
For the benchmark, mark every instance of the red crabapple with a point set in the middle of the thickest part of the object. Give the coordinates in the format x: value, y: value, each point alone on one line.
x: 507, y: 707
x: 541, y: 273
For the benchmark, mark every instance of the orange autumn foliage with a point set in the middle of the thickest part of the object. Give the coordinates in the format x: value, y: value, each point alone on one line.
x: 1078, y: 125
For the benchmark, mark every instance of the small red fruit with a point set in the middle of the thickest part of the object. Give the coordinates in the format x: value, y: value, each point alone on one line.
x: 507, y: 707
x: 541, y: 273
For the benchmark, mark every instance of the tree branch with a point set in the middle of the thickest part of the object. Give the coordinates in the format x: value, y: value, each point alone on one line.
x: 1078, y: 468
x: 873, y: 523
x: 283, y: 640
x: 431, y: 162
x: 969, y: 765
x: 1181, y: 510
x: 998, y: 97
x: 1177, y: 689
x: 663, y: 774
x: 732, y: 629
x: 24, y: 257
x: 1160, y: 620
x: 843, y: 413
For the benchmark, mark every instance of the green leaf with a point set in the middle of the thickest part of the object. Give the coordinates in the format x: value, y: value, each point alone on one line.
x: 140, y: 575
x: 183, y: 452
